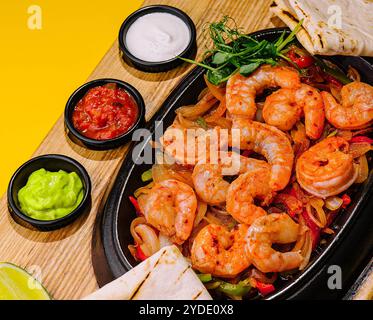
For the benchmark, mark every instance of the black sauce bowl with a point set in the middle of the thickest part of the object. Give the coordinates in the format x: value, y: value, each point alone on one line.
x: 108, y: 144
x: 161, y: 66
x: 53, y: 162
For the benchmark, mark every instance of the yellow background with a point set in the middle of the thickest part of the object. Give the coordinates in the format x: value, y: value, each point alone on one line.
x: 41, y: 68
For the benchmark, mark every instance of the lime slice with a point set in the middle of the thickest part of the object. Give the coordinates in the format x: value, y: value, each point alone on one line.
x: 17, y: 284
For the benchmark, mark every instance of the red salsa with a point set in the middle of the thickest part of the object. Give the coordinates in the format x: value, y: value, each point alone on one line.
x: 105, y: 112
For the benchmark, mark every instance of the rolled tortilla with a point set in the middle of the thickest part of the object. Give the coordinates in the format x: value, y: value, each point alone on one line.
x: 164, y: 276
x: 321, y: 32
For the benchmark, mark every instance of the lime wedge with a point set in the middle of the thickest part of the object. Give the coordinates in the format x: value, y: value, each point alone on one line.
x: 17, y: 284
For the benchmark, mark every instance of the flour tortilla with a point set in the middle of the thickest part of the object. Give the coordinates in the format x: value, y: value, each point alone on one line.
x: 164, y: 276
x: 318, y: 36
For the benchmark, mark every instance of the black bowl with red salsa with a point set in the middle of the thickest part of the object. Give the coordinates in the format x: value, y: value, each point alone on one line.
x: 103, y: 114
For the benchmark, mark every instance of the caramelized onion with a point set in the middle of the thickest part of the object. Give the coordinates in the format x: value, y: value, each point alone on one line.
x: 261, y: 277
x: 194, y: 112
x: 217, y: 91
x: 333, y: 203
x: 163, y: 172
x: 345, y: 134
x: 359, y: 149
x: 143, y: 190
x: 185, y: 123
x: 217, y: 113
x: 134, y: 224
x: 146, y: 238
x: 311, y: 216
x: 306, y: 250
x: 151, y: 242
x: 336, y: 92
x: 201, y: 212
x: 363, y: 169
x: 164, y: 241
x: 353, y: 74
x: 318, y: 204
x: 221, y: 122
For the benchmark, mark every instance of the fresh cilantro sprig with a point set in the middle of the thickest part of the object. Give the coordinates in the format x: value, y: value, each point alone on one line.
x: 233, y: 51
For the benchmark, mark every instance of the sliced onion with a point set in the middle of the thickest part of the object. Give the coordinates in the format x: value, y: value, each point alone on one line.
x: 306, y: 250
x: 363, y: 132
x: 163, y: 172
x: 164, y: 241
x: 359, y: 149
x: 143, y: 190
x: 221, y: 122
x: 261, y: 277
x: 312, y: 217
x: 219, y: 210
x: 186, y: 123
x: 203, y: 93
x: 217, y: 113
x: 217, y: 91
x: 336, y: 92
x: 150, y: 242
x: 328, y: 231
x: 333, y: 203
x: 198, y: 110
x: 318, y: 204
x: 363, y: 170
x: 134, y: 224
x: 132, y: 250
x: 201, y: 212
x: 345, y: 134
x: 353, y: 74
x: 304, y: 243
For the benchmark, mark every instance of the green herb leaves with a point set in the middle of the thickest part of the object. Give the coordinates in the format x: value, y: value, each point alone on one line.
x: 246, y: 69
x: 233, y: 51
x: 221, y: 57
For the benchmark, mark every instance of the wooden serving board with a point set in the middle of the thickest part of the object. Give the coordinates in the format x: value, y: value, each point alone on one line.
x: 62, y: 258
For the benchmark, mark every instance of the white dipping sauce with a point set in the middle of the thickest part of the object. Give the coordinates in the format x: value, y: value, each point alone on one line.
x: 157, y: 37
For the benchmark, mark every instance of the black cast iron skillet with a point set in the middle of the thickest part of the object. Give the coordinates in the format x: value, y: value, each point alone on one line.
x: 348, y: 248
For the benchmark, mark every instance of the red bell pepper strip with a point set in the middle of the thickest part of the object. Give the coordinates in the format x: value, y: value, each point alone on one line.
x: 346, y: 200
x: 140, y: 254
x: 315, y: 230
x: 301, y: 61
x: 361, y: 139
x: 264, y: 288
x: 329, y: 78
x: 136, y: 206
x: 291, y: 202
x: 246, y: 153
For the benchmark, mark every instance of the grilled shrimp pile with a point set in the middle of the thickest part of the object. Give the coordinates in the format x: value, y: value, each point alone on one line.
x: 262, y: 207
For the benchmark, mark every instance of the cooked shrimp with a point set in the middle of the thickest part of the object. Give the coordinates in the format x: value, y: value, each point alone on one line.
x: 273, y: 228
x: 170, y: 207
x: 241, y: 194
x: 220, y: 252
x: 188, y: 146
x: 355, y: 110
x: 272, y: 143
x: 241, y: 91
x: 284, y: 108
x: 327, y: 168
x: 208, y: 178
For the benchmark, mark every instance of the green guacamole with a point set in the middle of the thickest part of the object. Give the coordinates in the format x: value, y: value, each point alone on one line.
x: 50, y: 195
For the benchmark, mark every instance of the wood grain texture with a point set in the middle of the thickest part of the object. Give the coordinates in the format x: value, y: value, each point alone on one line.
x: 64, y: 256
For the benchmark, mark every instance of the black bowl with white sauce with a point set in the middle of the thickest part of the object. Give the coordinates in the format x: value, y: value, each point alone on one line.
x: 153, y: 38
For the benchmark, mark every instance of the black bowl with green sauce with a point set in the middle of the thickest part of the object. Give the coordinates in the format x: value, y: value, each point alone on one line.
x: 51, y: 163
